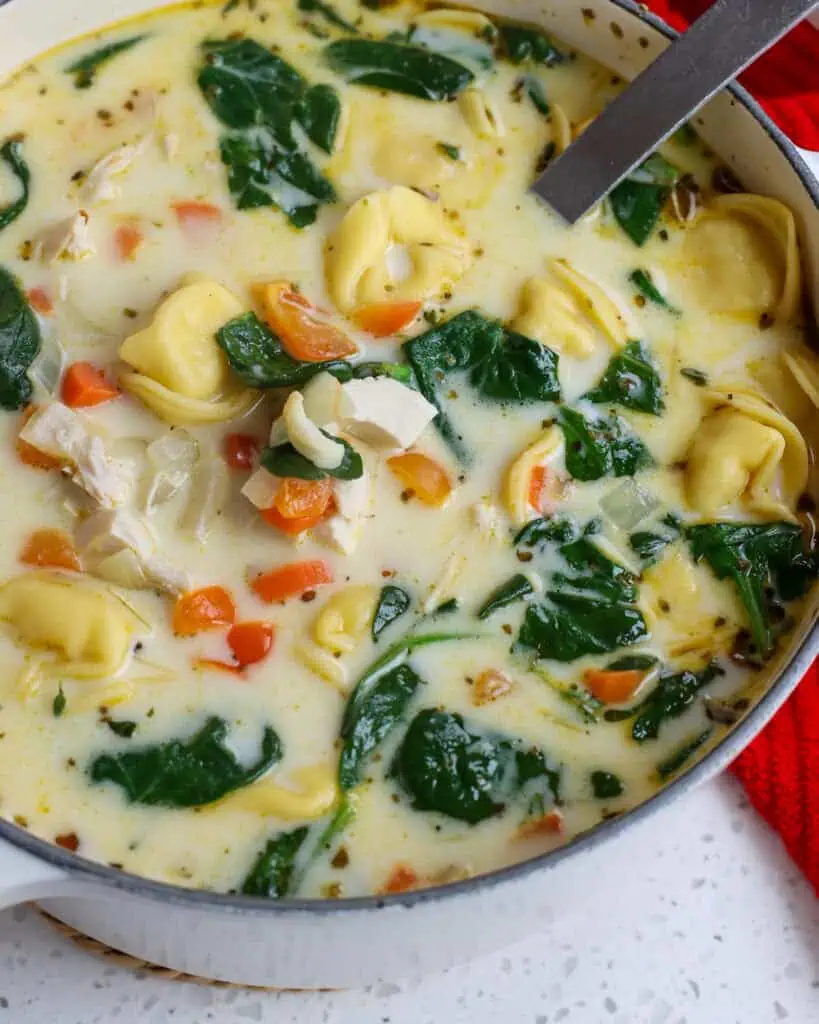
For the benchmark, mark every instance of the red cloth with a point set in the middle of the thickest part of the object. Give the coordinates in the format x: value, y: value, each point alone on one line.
x: 785, y: 80
x: 780, y: 769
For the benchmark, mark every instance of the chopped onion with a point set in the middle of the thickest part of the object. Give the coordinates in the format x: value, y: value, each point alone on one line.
x: 171, y: 460
x: 209, y: 491
x: 48, y: 368
x: 628, y: 505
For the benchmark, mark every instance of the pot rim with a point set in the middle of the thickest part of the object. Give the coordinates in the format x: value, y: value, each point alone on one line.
x: 81, y: 869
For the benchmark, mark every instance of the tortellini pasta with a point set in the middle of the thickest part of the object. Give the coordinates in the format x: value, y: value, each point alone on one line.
x: 481, y: 114
x: 746, y: 450
x: 324, y: 665
x: 90, y: 629
x: 546, y: 449
x: 804, y: 366
x: 568, y: 315
x: 316, y: 794
x: 744, y: 257
x: 344, y: 621
x: 393, y: 246
x: 181, y: 374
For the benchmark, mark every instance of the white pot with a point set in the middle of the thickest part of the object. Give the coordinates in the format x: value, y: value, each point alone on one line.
x: 301, y: 944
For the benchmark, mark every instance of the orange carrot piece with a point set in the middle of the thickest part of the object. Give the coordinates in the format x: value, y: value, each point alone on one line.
x: 549, y: 824
x: 218, y: 666
x: 51, y: 548
x: 304, y: 334
x: 427, y: 480
x: 39, y: 301
x: 385, y: 318
x: 491, y: 685
x: 127, y: 239
x: 401, y: 879
x: 195, y: 214
x: 291, y: 580
x: 250, y: 642
x: 28, y: 454
x: 240, y: 451
x: 537, y: 482
x: 298, y: 498
x: 200, y: 610
x: 84, y: 385
x: 292, y: 526
x: 613, y: 686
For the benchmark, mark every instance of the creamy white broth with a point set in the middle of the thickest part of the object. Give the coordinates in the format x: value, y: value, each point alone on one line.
x: 147, y: 97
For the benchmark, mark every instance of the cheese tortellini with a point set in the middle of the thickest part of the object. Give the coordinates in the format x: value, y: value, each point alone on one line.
x: 393, y: 246
x: 744, y: 257
x: 89, y: 628
x: 181, y: 374
x: 547, y: 448
x: 316, y: 794
x: 481, y: 114
x: 344, y: 621
x: 746, y: 450
x: 567, y: 312
x: 804, y: 366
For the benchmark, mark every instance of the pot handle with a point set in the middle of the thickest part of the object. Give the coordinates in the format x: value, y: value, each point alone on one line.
x: 25, y: 877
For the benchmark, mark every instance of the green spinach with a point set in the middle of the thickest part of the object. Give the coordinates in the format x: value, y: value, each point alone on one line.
x: 606, y: 785
x: 11, y: 153
x: 449, y: 151
x: 513, y: 590
x: 501, y: 365
x: 547, y: 530
x: 601, y: 447
x: 679, y: 758
x: 673, y: 695
x: 58, y: 705
x: 371, y: 718
x: 123, y: 728
x: 470, y: 50
x: 522, y: 43
x: 641, y: 279
x: 19, y: 343
x: 257, y: 358
x: 284, y: 460
x: 446, y: 766
x: 398, y: 67
x: 765, y: 562
x: 398, y: 371
x: 272, y: 874
x: 638, y: 201
x: 319, y: 113
x: 393, y: 602
x: 85, y: 69
x: 648, y: 545
x: 632, y: 380
x: 185, y: 773
x: 537, y: 94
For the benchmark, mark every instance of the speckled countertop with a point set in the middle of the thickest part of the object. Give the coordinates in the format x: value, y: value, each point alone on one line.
x: 711, y: 924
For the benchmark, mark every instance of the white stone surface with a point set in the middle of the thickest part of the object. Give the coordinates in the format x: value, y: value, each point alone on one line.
x: 712, y: 925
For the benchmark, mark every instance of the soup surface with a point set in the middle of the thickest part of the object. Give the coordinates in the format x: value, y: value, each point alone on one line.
x: 364, y: 527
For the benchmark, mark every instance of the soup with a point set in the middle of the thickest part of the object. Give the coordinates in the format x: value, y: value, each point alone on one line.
x: 365, y: 527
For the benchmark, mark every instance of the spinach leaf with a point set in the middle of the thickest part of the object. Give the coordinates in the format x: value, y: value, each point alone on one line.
x: 673, y: 695
x: 19, y: 343
x: 246, y: 85
x: 330, y: 15
x: 319, y: 113
x: 537, y: 94
x: 85, y: 69
x: 468, y: 775
x: 58, y: 705
x: 372, y: 719
x: 764, y: 562
x: 631, y: 380
x: 261, y: 174
x: 677, y: 759
x: 589, y: 612
x: 257, y: 358
x: 522, y: 43
x: 398, y: 67
x: 284, y: 460
x: 578, y: 697
x: 447, y: 607
x: 606, y: 785
x: 272, y: 874
x: 649, y: 544
x: 123, y: 728
x: 514, y: 589
x: 468, y: 49
x: 501, y: 365
x: 11, y: 153
x: 601, y: 447
x: 185, y: 773
x: 552, y: 530
x: 393, y: 602
x: 398, y: 371
x: 453, y: 152
x: 638, y: 201
x: 629, y: 662
x: 641, y: 279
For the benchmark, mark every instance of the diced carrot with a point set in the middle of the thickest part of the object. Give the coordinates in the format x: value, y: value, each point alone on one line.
x: 298, y: 498
x: 39, y: 301
x: 68, y: 841
x: 28, y: 454
x: 240, y: 451
x: 52, y: 548
x: 548, y: 824
x: 200, y: 610
x: 218, y: 666
x: 292, y: 527
x: 426, y: 479
x: 193, y: 214
x: 84, y: 385
x: 303, y: 333
x: 613, y: 686
x: 291, y: 580
x: 250, y: 642
x: 537, y: 482
x: 401, y: 879
x: 385, y: 318
x: 491, y: 685
x: 127, y: 239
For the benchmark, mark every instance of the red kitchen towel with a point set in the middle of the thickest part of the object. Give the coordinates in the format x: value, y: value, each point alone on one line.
x: 785, y: 80
x: 780, y: 770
